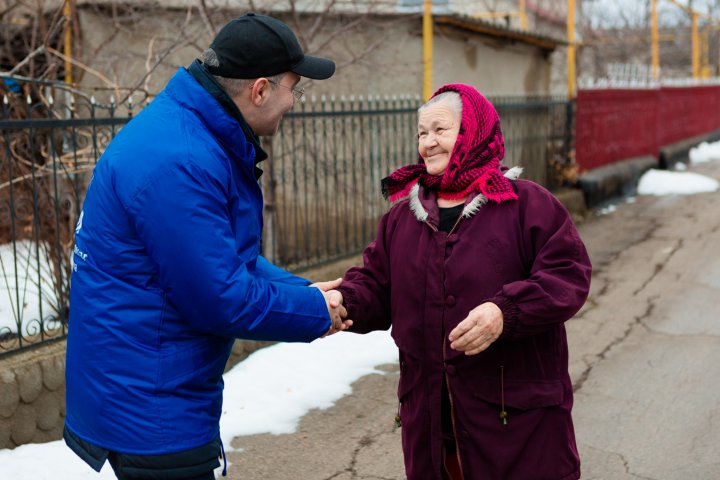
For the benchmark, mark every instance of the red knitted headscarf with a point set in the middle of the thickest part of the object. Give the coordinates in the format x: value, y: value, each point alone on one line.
x: 474, y: 164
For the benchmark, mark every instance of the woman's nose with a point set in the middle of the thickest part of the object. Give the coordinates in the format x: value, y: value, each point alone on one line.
x: 429, y: 140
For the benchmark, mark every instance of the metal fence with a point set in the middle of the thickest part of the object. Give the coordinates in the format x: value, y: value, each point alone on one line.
x: 50, y: 139
x: 321, y: 183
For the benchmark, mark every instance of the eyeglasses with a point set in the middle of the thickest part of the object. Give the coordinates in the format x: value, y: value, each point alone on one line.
x: 297, y: 92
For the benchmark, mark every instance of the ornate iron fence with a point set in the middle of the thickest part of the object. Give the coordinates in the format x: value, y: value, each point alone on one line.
x: 321, y: 183
x: 50, y: 139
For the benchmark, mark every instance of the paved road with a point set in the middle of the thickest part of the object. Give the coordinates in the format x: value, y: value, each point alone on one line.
x: 645, y: 362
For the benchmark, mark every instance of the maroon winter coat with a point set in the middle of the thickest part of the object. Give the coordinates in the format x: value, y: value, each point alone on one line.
x: 525, y: 256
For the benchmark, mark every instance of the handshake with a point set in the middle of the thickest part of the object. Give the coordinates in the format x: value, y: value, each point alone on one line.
x: 334, y: 302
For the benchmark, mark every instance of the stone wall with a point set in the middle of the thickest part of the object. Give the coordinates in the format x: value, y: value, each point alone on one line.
x: 32, y: 396
x: 32, y: 392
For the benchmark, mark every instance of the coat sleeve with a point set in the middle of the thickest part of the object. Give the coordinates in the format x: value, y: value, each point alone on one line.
x: 182, y: 217
x: 366, y: 289
x: 559, y: 275
x: 273, y: 273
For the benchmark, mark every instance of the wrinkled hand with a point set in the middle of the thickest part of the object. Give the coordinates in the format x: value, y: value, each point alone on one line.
x: 334, y: 303
x: 478, y: 330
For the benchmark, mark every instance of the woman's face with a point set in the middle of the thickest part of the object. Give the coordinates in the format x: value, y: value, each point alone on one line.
x: 438, y: 128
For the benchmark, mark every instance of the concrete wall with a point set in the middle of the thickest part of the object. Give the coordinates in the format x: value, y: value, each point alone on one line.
x: 494, y: 66
x: 375, y: 55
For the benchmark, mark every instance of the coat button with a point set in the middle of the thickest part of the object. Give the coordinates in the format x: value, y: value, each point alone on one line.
x: 450, y: 369
x: 450, y: 301
x: 452, y: 238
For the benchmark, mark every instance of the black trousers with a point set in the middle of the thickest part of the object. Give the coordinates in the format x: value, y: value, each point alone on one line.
x: 196, y: 464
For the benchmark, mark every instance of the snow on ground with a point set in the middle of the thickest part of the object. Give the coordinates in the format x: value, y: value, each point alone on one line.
x: 33, y: 270
x: 663, y: 182
x: 266, y: 393
x: 705, y: 152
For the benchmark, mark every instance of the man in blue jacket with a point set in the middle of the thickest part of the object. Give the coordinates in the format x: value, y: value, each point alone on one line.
x: 167, y: 270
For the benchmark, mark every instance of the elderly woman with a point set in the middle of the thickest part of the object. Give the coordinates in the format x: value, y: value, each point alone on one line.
x: 476, y: 271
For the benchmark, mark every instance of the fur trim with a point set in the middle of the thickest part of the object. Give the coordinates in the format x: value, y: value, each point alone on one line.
x: 474, y: 205
x: 415, y: 205
x: 470, y: 209
x: 514, y: 173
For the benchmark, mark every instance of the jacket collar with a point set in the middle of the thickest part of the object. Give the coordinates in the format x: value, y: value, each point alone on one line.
x: 423, y: 202
x: 200, y: 73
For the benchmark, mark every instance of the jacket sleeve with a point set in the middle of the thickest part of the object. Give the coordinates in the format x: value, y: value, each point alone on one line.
x: 182, y: 217
x: 559, y: 278
x: 366, y: 289
x: 273, y: 273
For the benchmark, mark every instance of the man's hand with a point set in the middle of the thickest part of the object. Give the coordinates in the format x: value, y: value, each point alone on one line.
x: 334, y: 302
x: 478, y: 330
x: 337, y: 312
x: 329, y: 285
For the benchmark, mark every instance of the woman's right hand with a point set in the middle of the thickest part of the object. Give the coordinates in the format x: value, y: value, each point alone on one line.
x: 478, y: 330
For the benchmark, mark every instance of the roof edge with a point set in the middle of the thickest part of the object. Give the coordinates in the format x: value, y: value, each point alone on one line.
x: 464, y: 22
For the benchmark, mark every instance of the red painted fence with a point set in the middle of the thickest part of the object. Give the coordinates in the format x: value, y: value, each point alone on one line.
x: 617, y: 124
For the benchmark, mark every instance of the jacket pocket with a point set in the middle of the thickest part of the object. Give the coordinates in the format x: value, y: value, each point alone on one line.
x: 410, y: 375
x: 520, y: 394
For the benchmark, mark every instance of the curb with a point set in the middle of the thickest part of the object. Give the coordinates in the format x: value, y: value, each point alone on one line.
x: 676, y: 152
x: 618, y: 179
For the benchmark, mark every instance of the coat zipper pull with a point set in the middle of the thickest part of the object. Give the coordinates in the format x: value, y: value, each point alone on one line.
x: 503, y: 413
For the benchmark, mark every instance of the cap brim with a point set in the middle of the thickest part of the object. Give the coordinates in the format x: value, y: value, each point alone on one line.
x: 315, y: 67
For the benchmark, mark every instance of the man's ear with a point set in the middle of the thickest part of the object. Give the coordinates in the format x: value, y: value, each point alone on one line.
x: 260, y: 91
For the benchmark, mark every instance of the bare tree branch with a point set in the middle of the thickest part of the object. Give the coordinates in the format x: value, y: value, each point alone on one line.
x: 84, y: 67
x: 212, y: 30
x: 29, y: 57
x: 175, y: 45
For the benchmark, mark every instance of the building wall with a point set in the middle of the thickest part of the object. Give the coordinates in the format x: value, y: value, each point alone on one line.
x: 377, y: 56
x: 494, y: 66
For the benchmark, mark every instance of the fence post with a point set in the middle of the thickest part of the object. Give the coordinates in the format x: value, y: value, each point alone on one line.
x: 570, y: 130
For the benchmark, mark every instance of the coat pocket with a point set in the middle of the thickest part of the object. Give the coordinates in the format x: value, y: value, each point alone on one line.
x: 410, y: 376
x: 520, y: 394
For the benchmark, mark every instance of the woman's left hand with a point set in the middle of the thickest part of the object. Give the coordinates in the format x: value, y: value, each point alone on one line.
x: 478, y: 330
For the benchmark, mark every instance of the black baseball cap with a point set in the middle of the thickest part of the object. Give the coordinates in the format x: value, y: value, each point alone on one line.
x: 253, y: 46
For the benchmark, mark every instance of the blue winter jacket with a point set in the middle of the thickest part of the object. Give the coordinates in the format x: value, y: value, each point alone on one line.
x: 167, y: 273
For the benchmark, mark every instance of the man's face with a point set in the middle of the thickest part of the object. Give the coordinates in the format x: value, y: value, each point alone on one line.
x: 280, y: 101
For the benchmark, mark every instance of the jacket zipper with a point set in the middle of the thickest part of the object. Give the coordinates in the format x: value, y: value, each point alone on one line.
x: 452, y: 230
x: 447, y: 380
x: 457, y: 222
x: 452, y: 418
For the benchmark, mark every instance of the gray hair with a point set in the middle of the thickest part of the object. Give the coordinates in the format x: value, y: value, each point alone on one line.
x: 233, y: 86
x: 450, y: 99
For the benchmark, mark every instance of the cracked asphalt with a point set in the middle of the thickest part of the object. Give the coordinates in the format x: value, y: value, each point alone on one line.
x: 644, y: 359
